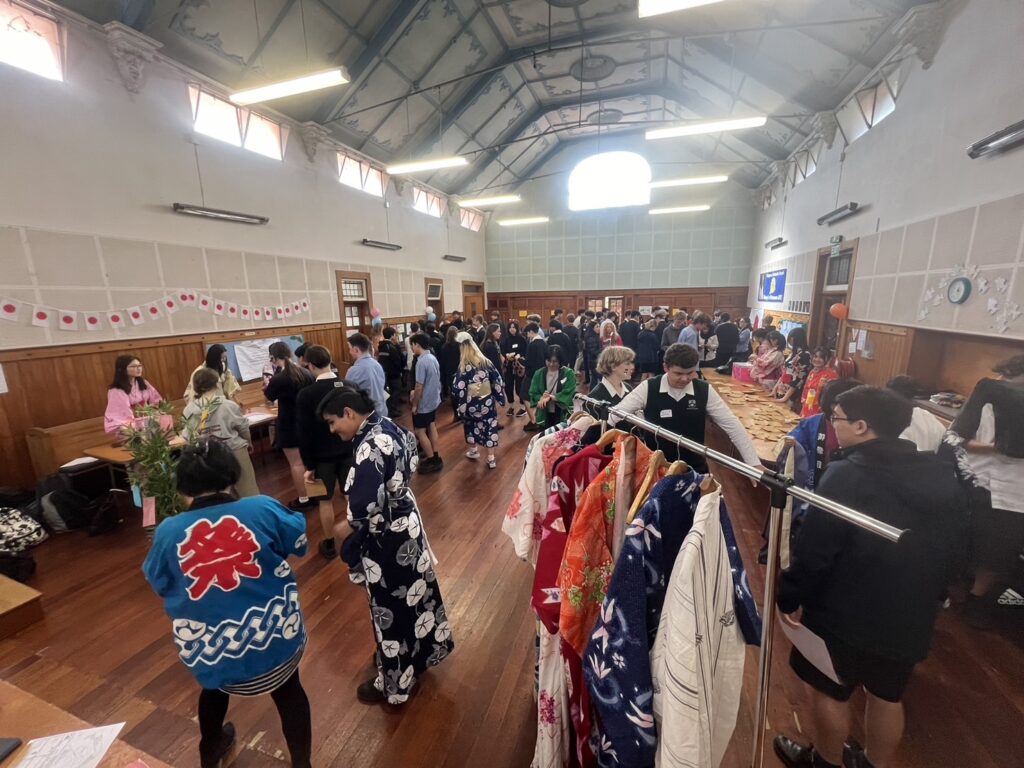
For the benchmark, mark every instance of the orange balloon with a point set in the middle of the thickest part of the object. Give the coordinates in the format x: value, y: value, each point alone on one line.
x: 839, y: 311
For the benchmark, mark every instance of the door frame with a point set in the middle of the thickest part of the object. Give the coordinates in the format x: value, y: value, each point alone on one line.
x: 819, y: 305
x: 482, y: 293
x: 339, y: 276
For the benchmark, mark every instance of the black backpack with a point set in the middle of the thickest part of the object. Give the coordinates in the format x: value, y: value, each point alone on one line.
x: 19, y: 567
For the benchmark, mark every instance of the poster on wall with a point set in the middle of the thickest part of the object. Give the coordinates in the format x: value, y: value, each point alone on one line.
x: 772, y: 286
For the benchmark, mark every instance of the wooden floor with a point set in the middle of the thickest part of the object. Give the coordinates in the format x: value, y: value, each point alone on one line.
x: 104, y: 652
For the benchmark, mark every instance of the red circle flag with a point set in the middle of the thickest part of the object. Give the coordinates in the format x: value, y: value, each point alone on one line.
x: 153, y: 310
x: 41, y: 315
x: 67, y: 320
x: 115, y: 318
x: 170, y: 304
x: 9, y: 309
x: 206, y: 303
x: 183, y: 297
x: 92, y: 320
x: 135, y: 315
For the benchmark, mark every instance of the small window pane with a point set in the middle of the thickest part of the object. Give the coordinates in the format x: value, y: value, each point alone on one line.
x: 29, y: 41
x: 851, y: 121
x: 374, y: 183
x: 350, y: 173
x: 263, y: 136
x: 218, y: 118
x: 867, y: 104
x: 884, y: 103
x: 353, y: 289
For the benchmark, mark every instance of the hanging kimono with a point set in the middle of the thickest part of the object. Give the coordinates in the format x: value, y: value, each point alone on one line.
x: 478, y: 392
x: 617, y: 664
x: 698, y: 654
x: 389, y: 554
x: 571, y: 476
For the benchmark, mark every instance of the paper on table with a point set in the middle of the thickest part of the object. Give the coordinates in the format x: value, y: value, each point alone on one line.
x: 255, y: 417
x: 810, y: 645
x: 76, y: 749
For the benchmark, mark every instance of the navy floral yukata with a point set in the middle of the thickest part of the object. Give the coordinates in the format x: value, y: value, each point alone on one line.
x: 478, y: 393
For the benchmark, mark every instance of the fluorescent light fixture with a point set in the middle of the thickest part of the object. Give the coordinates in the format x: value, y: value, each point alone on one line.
x: 217, y: 213
x: 839, y: 214
x: 304, y: 84
x: 689, y: 182
x: 426, y: 165
x: 658, y: 7
x: 680, y: 209
x: 713, y: 126
x: 523, y: 222
x: 487, y: 202
x: 778, y: 242
x: 381, y: 244
x: 453, y: 257
x: 1000, y: 141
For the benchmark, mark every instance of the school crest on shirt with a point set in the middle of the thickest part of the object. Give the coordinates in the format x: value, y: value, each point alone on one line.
x: 218, y: 554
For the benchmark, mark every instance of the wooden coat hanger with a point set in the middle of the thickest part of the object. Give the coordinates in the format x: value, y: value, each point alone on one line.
x: 577, y: 415
x: 658, y: 461
x: 677, y: 468
x: 610, y: 437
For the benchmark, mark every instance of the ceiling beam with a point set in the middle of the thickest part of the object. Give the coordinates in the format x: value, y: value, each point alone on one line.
x: 271, y: 31
x: 386, y: 34
x: 135, y: 13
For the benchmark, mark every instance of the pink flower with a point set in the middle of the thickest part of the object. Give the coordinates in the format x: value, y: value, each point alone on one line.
x: 546, y: 709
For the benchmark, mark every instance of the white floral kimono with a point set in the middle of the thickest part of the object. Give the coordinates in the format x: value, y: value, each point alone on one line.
x: 389, y: 554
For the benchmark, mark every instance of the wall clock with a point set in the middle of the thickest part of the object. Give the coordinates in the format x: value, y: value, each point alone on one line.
x: 959, y: 290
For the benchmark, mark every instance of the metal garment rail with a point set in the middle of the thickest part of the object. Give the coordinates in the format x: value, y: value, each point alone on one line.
x: 780, y: 487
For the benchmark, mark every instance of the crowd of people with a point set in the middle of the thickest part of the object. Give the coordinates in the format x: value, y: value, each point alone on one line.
x: 871, y: 448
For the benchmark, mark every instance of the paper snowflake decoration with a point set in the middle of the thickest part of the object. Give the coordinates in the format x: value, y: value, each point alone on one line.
x: 992, y: 306
x: 983, y: 285
x: 1002, y: 284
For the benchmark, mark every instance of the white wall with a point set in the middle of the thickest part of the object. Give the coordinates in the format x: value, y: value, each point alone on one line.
x: 930, y: 207
x: 623, y: 248
x: 88, y: 172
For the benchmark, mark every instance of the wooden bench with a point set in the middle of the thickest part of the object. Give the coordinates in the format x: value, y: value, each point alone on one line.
x: 52, y: 447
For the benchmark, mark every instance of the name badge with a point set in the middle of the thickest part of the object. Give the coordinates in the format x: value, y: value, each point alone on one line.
x: 562, y: 381
x: 666, y: 414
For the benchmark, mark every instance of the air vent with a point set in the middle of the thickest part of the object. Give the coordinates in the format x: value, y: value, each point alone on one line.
x: 592, y: 68
x: 604, y: 117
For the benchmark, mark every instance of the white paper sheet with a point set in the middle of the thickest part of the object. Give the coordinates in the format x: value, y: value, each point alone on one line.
x: 76, y: 749
x: 253, y: 356
x: 3, y: 382
x: 810, y: 645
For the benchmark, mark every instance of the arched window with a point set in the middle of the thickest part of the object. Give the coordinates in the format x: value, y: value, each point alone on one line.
x: 610, y: 180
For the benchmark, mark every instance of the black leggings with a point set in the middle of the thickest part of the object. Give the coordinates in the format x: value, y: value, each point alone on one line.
x: 292, y: 706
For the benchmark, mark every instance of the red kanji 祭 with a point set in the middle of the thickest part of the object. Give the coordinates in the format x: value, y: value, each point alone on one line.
x: 218, y: 554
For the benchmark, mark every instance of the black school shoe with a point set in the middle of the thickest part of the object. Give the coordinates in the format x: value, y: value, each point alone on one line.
x: 368, y: 693
x: 211, y: 756
x: 431, y: 465
x: 327, y: 549
x: 300, y: 506
x: 854, y: 757
x: 796, y: 755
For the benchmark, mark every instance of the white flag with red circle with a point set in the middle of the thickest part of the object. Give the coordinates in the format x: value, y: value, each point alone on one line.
x: 305, y: 305
x: 41, y: 317
x: 67, y: 320
x: 10, y: 309
x: 152, y: 310
x: 268, y: 313
x: 92, y: 321
x: 297, y: 307
x: 287, y: 310
x: 218, y: 307
x: 116, y: 319
x: 205, y: 302
x: 245, y: 312
x: 135, y: 315
x: 170, y: 304
x: 280, y: 313
x: 186, y: 298
x: 232, y: 310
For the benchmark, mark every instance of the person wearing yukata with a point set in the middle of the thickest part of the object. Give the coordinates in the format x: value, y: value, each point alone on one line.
x: 819, y: 375
x: 127, y: 391
x: 387, y: 551
x: 478, y: 390
x: 552, y: 389
x: 221, y: 569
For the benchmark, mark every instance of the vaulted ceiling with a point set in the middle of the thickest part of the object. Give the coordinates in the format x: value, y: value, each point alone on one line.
x: 511, y: 82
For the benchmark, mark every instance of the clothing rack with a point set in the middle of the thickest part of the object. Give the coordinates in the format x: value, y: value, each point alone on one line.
x: 780, y: 487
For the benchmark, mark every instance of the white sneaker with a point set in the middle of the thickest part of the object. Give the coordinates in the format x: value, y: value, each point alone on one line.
x: 473, y: 453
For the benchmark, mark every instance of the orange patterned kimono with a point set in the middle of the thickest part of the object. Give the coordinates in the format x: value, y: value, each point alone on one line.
x: 597, y: 530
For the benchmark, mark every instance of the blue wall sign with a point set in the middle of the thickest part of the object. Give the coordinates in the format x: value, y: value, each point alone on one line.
x: 772, y: 286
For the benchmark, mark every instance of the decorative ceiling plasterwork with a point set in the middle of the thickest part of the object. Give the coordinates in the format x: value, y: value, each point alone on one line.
x: 523, y: 78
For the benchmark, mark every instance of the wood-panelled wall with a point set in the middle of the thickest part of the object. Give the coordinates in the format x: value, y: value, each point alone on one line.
x: 940, y: 360
x: 544, y: 303
x: 48, y: 386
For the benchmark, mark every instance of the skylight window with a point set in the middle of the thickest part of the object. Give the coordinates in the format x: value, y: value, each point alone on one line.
x: 30, y: 41
x: 359, y: 174
x: 610, y: 180
x: 220, y: 119
x: 427, y: 202
x: 471, y: 220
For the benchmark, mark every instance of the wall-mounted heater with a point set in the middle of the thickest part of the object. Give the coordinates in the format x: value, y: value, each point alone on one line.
x: 453, y: 257
x: 1000, y: 141
x: 839, y: 214
x: 778, y: 242
x: 381, y: 244
x: 217, y: 213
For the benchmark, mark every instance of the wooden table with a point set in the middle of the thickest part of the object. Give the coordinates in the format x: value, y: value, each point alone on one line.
x: 27, y: 717
x: 765, y: 419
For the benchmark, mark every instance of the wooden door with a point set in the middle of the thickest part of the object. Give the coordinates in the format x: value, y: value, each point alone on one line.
x: 355, y: 299
x: 472, y: 299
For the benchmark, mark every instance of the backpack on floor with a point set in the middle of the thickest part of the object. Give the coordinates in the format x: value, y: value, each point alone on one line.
x: 106, y: 515
x: 19, y: 567
x: 66, y: 510
x: 18, y: 532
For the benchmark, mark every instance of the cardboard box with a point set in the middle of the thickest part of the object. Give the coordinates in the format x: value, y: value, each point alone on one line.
x: 20, y: 607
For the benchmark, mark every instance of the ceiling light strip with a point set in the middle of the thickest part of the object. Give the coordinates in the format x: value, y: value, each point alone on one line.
x: 679, y: 209
x: 689, y: 182
x: 523, y: 222
x: 657, y: 7
x: 418, y: 166
x: 485, y: 202
x: 314, y: 82
x: 712, y: 126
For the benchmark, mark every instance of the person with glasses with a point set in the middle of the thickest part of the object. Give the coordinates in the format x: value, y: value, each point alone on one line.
x: 873, y: 603
x: 127, y: 391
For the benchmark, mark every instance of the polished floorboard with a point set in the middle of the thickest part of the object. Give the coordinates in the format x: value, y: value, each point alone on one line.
x: 104, y: 651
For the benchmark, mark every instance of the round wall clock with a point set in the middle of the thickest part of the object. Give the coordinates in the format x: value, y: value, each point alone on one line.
x: 959, y: 290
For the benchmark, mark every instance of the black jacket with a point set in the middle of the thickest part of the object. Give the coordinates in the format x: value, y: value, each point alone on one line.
x: 573, y: 334
x: 647, y: 347
x: 728, y: 339
x: 875, y: 595
x: 536, y: 356
x: 316, y: 441
x: 630, y: 332
x: 1007, y: 401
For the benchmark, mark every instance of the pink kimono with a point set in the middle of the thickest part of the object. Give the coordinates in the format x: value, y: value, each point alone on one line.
x: 121, y: 405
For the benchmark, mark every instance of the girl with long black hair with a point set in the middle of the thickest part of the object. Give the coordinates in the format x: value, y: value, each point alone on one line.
x: 283, y: 388
x: 217, y: 359
x: 127, y: 391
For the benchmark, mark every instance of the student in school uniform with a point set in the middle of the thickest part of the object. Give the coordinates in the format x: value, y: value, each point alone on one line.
x: 127, y: 391
x: 283, y: 388
x: 426, y: 398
